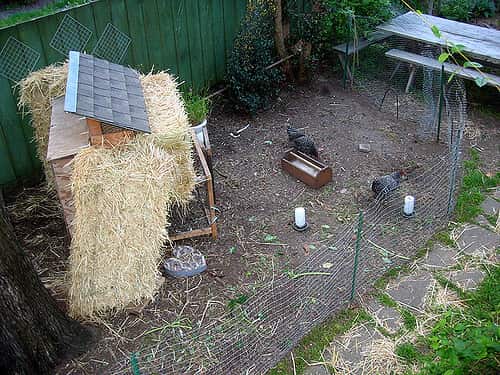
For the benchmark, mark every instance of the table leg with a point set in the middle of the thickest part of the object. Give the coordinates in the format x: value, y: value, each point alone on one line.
x: 343, y: 63
x: 411, y: 78
x: 395, y: 71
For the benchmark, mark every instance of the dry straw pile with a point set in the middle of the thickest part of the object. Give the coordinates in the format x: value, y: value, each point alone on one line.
x: 122, y: 197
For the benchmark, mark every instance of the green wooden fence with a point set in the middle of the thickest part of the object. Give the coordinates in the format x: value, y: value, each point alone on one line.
x: 191, y: 38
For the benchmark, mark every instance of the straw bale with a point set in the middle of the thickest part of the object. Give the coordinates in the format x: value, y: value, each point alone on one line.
x: 122, y: 196
x: 36, y: 93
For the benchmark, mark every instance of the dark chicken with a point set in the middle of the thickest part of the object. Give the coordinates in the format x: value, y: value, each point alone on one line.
x: 301, y: 142
x: 382, y: 186
x: 293, y: 133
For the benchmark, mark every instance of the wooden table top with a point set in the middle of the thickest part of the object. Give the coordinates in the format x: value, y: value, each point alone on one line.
x: 480, y: 42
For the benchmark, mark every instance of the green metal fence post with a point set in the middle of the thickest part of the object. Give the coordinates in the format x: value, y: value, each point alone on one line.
x: 356, y: 254
x: 135, y: 364
x: 441, y: 100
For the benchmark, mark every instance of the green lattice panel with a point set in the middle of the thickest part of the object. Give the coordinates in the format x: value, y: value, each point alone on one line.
x: 112, y: 45
x: 17, y: 60
x: 71, y: 35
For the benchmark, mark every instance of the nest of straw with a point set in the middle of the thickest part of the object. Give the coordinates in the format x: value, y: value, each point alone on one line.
x: 122, y: 195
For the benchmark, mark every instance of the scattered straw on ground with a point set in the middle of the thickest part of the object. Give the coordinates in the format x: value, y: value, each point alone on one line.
x: 380, y: 358
x: 122, y: 195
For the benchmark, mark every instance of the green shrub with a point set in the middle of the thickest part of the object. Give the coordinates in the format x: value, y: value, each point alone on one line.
x: 252, y: 86
x: 484, y: 8
x: 366, y: 15
x: 459, y: 10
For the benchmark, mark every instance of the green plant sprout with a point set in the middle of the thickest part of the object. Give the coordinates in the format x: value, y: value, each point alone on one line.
x: 197, y: 107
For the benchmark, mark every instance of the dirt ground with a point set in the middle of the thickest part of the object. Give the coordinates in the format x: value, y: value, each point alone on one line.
x: 256, y: 200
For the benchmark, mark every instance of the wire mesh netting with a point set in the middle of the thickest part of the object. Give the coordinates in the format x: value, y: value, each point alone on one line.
x: 17, y: 60
x: 71, y: 35
x: 254, y: 334
x: 416, y: 93
x: 112, y: 45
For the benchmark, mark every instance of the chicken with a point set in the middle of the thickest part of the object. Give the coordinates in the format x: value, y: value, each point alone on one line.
x: 293, y: 133
x: 382, y: 186
x: 306, y: 145
x: 301, y: 142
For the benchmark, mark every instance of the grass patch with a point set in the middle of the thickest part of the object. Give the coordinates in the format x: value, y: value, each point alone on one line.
x: 311, y: 346
x: 474, y: 185
x: 409, y: 320
x: 445, y: 238
x: 388, y: 276
x: 408, y: 352
x: 385, y: 300
x: 46, y: 10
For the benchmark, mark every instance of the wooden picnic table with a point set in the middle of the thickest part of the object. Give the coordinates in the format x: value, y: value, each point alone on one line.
x: 480, y: 43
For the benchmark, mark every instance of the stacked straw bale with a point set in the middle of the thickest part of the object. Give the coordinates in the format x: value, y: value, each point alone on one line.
x: 36, y: 94
x: 122, y: 198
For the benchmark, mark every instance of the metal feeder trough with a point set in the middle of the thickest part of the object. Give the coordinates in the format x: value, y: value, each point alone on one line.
x: 310, y: 171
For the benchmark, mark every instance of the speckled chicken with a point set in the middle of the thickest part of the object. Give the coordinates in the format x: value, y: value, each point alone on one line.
x: 301, y: 142
x: 382, y: 186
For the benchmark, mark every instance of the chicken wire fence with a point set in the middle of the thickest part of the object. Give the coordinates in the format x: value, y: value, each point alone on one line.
x: 434, y: 100
x: 255, y: 334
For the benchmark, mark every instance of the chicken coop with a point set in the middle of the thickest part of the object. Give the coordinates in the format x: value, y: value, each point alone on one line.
x: 103, y: 106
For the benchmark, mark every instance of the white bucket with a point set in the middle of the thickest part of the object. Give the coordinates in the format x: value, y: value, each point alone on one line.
x: 198, y: 130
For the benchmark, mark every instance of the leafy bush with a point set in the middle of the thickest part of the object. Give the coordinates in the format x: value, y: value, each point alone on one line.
x: 252, y: 86
x: 459, y: 10
x: 463, y: 10
x: 367, y: 14
x: 484, y: 8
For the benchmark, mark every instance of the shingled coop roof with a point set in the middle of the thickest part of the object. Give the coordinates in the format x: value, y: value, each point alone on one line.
x: 107, y: 92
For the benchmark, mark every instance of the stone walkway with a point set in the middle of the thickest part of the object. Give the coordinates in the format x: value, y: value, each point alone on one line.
x: 369, y: 347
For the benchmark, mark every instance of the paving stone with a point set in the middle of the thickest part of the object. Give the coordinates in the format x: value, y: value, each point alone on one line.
x: 364, y: 147
x: 316, y: 370
x: 352, y: 349
x: 467, y: 280
x: 410, y: 291
x: 490, y: 206
x: 475, y: 240
x: 440, y: 257
x: 387, y: 317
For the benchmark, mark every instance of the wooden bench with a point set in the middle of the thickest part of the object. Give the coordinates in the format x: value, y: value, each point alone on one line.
x: 353, y: 47
x: 432, y: 63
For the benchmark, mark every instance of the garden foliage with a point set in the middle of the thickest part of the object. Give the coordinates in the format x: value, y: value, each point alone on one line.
x: 364, y: 14
x: 252, y: 85
x: 468, y: 342
x: 463, y: 10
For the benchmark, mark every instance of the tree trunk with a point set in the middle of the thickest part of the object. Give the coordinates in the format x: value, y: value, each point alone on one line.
x: 34, y: 333
x: 279, y: 39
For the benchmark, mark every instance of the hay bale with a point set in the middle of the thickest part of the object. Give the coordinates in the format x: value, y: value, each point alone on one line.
x: 122, y: 196
x: 36, y: 93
